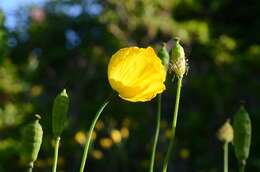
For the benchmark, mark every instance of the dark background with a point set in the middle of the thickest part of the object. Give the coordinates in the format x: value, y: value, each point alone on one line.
x: 48, y: 46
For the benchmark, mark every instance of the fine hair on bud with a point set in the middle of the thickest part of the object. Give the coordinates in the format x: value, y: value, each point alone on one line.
x: 226, y: 133
x: 31, y: 142
x: 178, y: 59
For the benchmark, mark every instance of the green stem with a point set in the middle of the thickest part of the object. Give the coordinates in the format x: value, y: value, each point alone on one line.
x: 226, y: 157
x: 158, y: 121
x: 174, y: 124
x: 56, y: 154
x: 242, y: 166
x: 86, y: 148
x: 30, y: 167
x: 167, y: 157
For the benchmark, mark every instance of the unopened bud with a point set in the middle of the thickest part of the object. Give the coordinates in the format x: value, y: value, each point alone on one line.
x: 164, y: 56
x: 243, y: 132
x: 31, y: 140
x: 226, y: 133
x: 59, y: 113
x: 178, y: 59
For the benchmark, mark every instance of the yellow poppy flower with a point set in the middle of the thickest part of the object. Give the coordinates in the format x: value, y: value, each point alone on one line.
x: 137, y: 74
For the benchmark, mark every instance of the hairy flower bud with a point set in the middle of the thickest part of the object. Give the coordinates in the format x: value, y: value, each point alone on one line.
x: 178, y: 60
x: 31, y: 140
x: 226, y: 133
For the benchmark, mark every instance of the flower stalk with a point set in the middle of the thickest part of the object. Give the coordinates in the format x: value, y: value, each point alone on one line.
x: 56, y: 154
x: 174, y: 125
x: 30, y: 168
x: 157, y: 131
x: 179, y: 67
x: 226, y: 135
x: 242, y: 166
x: 165, y: 57
x: 226, y: 157
x: 93, y: 124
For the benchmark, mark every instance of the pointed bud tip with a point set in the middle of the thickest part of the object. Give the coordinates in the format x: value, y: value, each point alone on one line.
x: 37, y: 117
x: 242, y: 108
x: 64, y: 93
x: 177, y: 39
x: 164, y: 45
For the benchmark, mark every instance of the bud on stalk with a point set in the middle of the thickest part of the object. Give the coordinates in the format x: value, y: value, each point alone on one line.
x: 164, y: 56
x: 178, y: 60
x: 242, y: 135
x: 31, y: 141
x: 226, y: 133
x: 59, y: 113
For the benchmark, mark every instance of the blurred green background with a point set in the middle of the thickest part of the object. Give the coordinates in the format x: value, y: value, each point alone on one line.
x: 49, y: 45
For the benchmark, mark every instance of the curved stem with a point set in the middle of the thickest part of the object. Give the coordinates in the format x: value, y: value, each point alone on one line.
x: 174, y: 124
x: 226, y: 157
x: 56, y: 154
x: 86, y: 148
x: 158, y: 121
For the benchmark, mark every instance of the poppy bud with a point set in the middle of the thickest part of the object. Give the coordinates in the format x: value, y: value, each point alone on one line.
x: 226, y: 133
x: 164, y: 56
x: 59, y: 112
x: 242, y: 134
x: 178, y: 59
x: 31, y: 140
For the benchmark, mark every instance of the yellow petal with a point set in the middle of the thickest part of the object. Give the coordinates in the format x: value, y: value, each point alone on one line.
x: 137, y: 74
x: 149, y: 93
x: 123, y: 90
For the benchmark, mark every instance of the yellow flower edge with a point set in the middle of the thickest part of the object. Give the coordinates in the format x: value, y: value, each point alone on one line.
x: 137, y: 74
